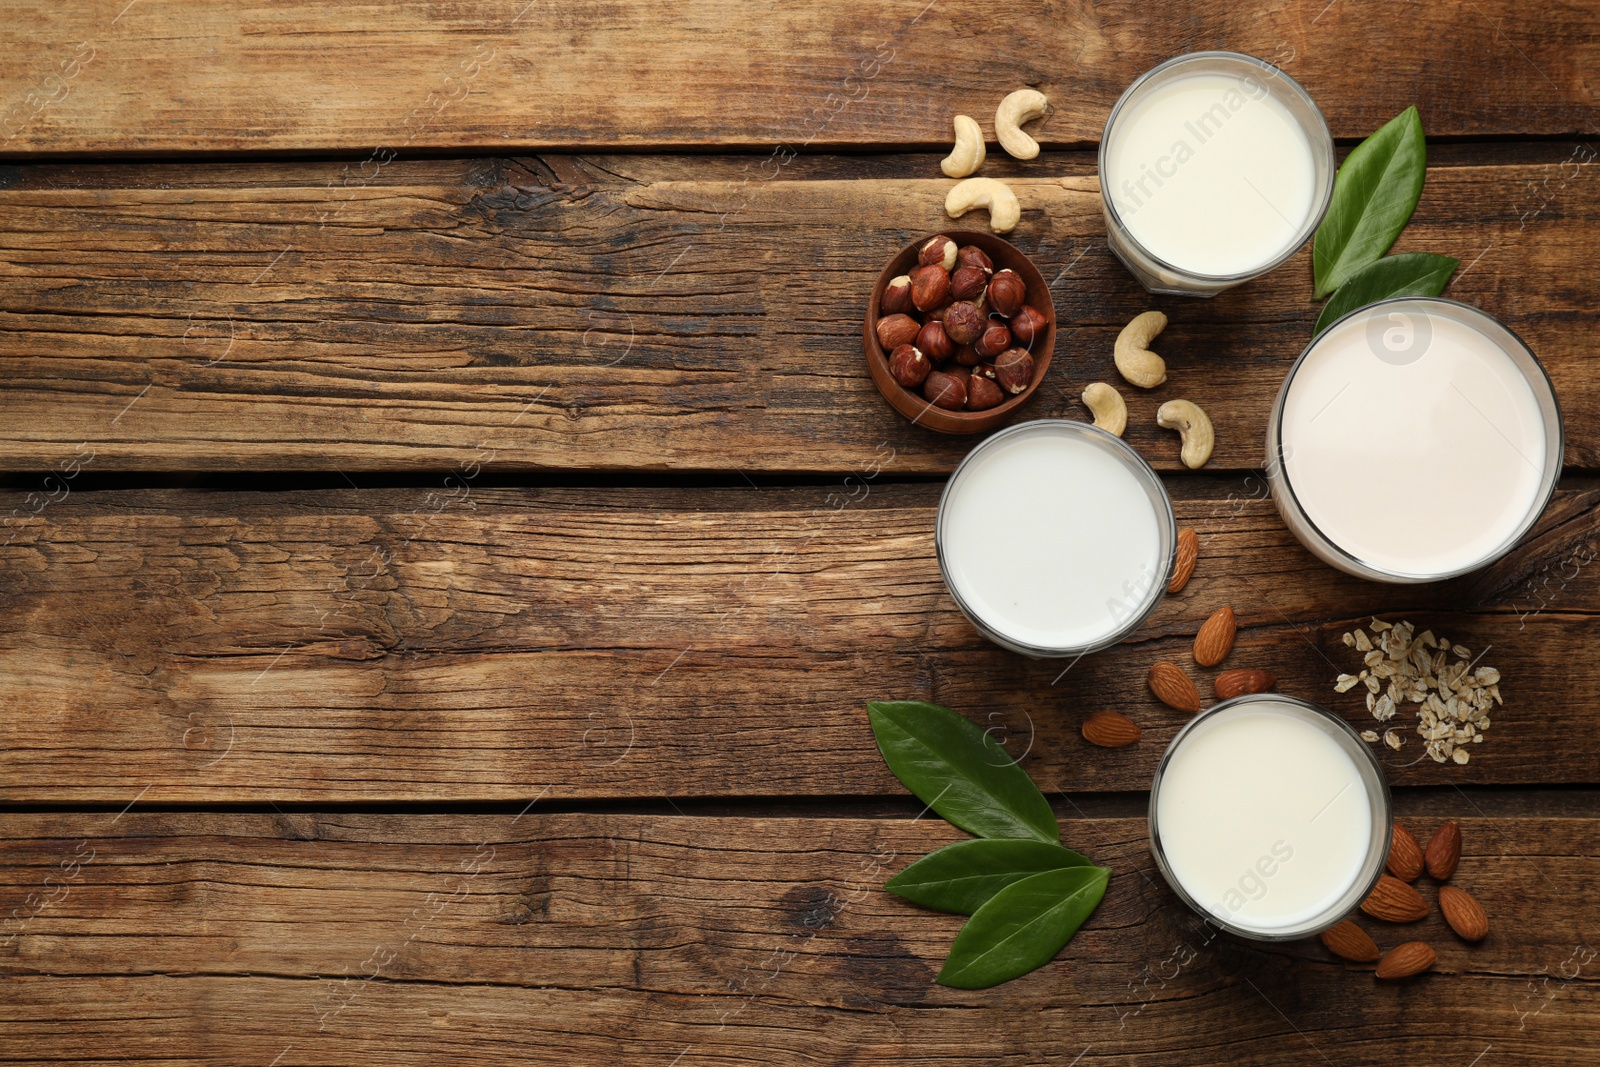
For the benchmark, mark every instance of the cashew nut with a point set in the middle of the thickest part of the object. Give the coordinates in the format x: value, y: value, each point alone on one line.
x: 1193, y: 425
x: 1110, y: 412
x: 1135, y: 361
x: 1024, y: 105
x: 967, y: 156
x: 1004, y: 211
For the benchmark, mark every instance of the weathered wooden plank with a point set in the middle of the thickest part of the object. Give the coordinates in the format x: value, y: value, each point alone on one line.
x: 491, y: 644
x: 625, y: 315
x: 113, y: 76
x: 338, y: 938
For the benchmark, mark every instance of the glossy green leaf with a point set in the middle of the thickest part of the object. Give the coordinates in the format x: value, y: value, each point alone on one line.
x: 960, y: 877
x: 960, y: 771
x: 1408, y: 274
x: 1023, y: 926
x: 1374, y: 194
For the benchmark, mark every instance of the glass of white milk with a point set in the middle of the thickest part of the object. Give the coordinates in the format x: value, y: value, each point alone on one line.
x: 1415, y: 439
x: 1215, y: 167
x: 1055, y: 538
x: 1270, y: 817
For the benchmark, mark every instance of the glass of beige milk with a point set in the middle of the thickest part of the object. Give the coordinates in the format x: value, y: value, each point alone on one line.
x: 1415, y: 439
x: 1270, y: 817
x: 1215, y: 167
x: 1055, y: 538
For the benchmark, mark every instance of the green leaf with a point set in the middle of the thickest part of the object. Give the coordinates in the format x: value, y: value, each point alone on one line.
x: 960, y: 771
x: 1408, y: 274
x: 1374, y: 194
x: 1023, y: 926
x: 960, y: 877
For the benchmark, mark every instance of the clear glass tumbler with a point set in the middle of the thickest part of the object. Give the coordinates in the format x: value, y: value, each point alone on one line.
x: 1055, y: 538
x: 1215, y: 168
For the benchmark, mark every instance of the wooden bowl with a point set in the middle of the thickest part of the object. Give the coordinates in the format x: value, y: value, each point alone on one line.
x: 911, y: 404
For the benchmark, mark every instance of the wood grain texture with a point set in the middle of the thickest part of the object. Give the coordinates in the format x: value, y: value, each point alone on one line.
x: 333, y: 939
x: 497, y: 644
x: 188, y: 76
x: 626, y: 313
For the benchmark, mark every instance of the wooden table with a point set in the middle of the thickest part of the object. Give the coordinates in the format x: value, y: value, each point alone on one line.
x: 452, y: 536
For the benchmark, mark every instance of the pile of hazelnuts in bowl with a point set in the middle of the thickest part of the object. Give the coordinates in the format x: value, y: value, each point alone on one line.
x: 959, y: 335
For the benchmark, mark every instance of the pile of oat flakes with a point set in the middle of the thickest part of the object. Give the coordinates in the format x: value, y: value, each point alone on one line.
x: 1405, y: 667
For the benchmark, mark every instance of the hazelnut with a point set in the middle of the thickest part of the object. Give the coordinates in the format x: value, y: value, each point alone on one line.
x: 940, y: 250
x: 1028, y: 323
x: 935, y: 341
x: 957, y: 371
x: 994, y: 340
x: 945, y: 391
x: 1006, y: 293
x: 984, y: 370
x: 1013, y: 369
x: 973, y: 256
x: 930, y: 287
x: 896, y: 330
x: 964, y: 322
x: 967, y: 283
x: 983, y: 393
x: 909, y: 366
x: 896, y: 295
x: 937, y: 314
x: 967, y: 356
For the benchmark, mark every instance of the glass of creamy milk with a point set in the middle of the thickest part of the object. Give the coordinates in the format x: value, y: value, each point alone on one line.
x: 1055, y: 538
x: 1415, y: 439
x: 1270, y: 817
x: 1215, y: 167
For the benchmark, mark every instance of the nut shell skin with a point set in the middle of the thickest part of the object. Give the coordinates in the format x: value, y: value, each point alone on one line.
x: 1464, y: 914
x: 1215, y: 639
x: 944, y: 390
x: 1013, y: 369
x: 896, y: 330
x: 995, y: 339
x: 1393, y: 901
x: 964, y: 322
x: 934, y: 340
x: 968, y: 283
x: 1110, y: 729
x: 1236, y: 683
x: 940, y: 250
x: 1173, y: 687
x: 1028, y: 324
x: 973, y: 256
x: 930, y: 287
x: 896, y: 296
x: 983, y: 393
x: 909, y: 366
x: 1444, y: 850
x: 1404, y: 961
x: 967, y: 356
x: 1188, y: 555
x: 1007, y: 292
x: 1405, y: 855
x: 1348, y: 941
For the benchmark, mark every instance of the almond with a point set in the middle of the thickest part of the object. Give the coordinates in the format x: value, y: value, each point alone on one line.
x: 1183, y: 566
x: 1110, y: 729
x: 1405, y: 960
x: 1444, y: 851
x: 1237, y: 683
x: 1350, y: 942
x: 1173, y: 688
x: 1464, y: 914
x: 1215, y: 639
x: 1394, y: 902
x: 1405, y: 855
